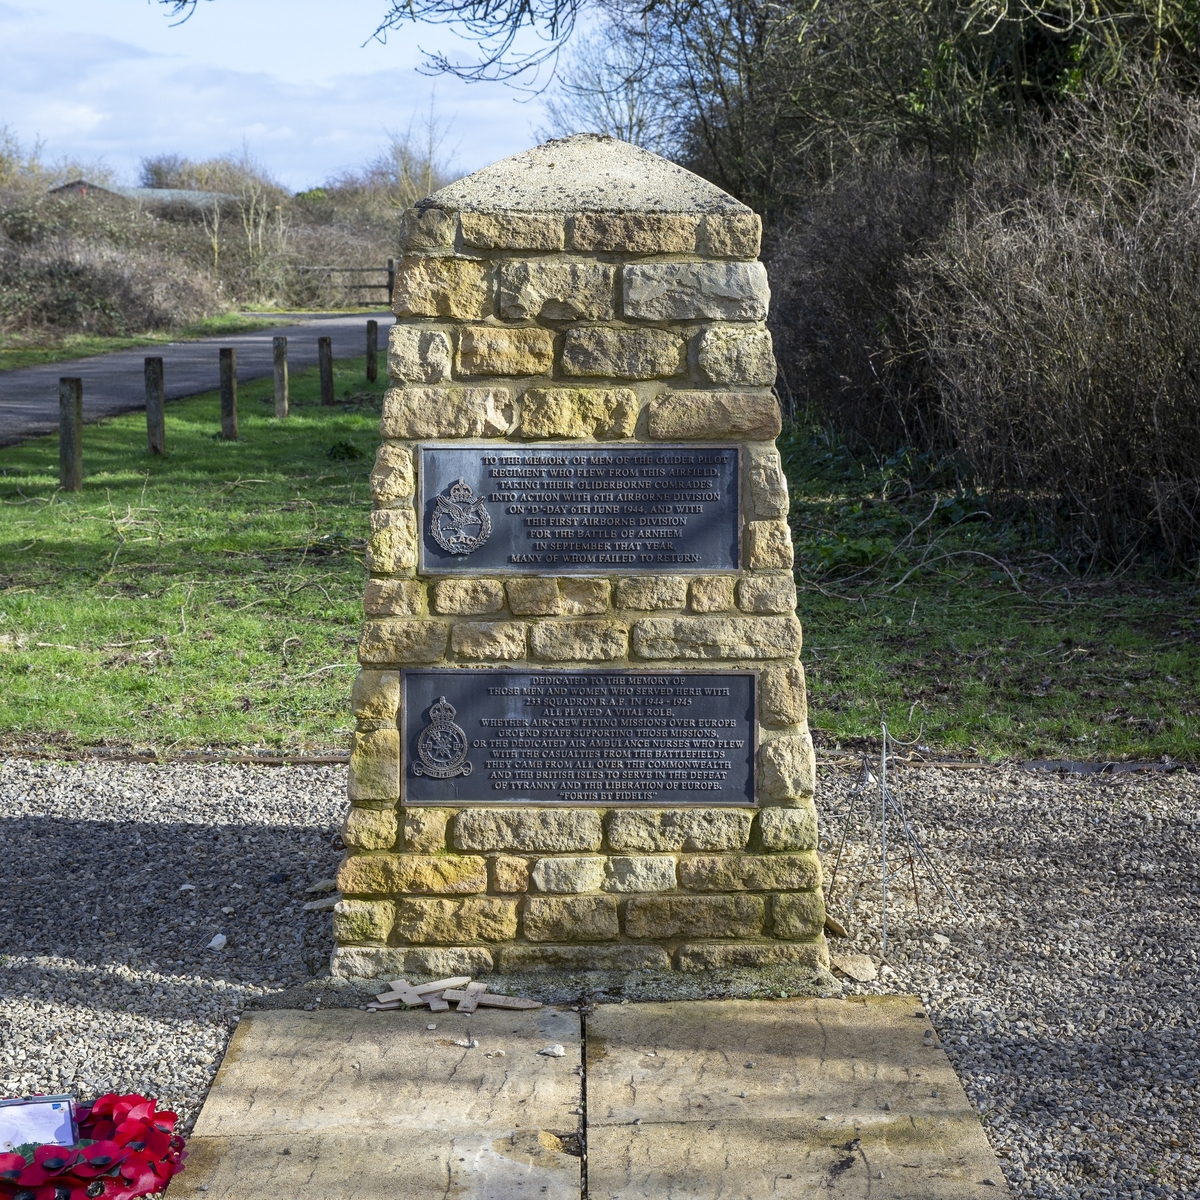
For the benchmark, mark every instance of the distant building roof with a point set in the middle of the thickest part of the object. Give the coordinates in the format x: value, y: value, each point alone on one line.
x: 189, y: 196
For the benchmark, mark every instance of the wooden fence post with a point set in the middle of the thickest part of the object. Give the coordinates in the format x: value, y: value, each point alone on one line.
x: 70, y: 434
x: 372, y: 350
x: 325, y: 366
x: 229, y: 428
x: 391, y: 269
x: 279, y: 346
x: 156, y: 421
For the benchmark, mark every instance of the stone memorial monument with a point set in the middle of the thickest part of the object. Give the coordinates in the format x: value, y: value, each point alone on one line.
x: 581, y: 726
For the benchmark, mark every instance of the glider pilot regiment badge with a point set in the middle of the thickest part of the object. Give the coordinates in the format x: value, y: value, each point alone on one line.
x: 460, y: 522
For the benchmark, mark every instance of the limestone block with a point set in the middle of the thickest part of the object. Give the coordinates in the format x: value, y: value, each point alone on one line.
x: 488, y: 640
x: 640, y: 873
x: 512, y: 231
x: 635, y: 232
x: 787, y: 767
x: 425, y: 829
x: 365, y: 962
x: 767, y: 594
x: 565, y: 597
x: 556, y: 290
x: 578, y: 412
x: 459, y: 288
x: 517, y: 958
x: 510, y: 874
x: 375, y: 695
x: 392, y: 475
x: 782, y: 699
x: 735, y: 354
x: 363, y: 920
x: 570, y: 873
x: 574, y: 919
x: 479, y: 919
x: 754, y: 638
x: 394, y: 598
x: 730, y: 235
x: 712, y: 593
x: 397, y: 640
x: 768, y: 544
x: 694, y: 916
x: 418, y: 354
x: 578, y: 641
x: 398, y: 874
x: 788, y: 828
x: 370, y: 829
x: 439, y: 962
x: 468, y: 597
x: 653, y: 592
x: 415, y: 413
x: 375, y: 765
x: 623, y: 353
x: 533, y: 829
x: 675, y: 291
x: 768, y: 484
x: 723, y: 956
x: 679, y: 828
x: 392, y: 545
x: 487, y: 350
x: 428, y: 228
x: 798, y: 915
x: 750, y: 872
x: 687, y: 415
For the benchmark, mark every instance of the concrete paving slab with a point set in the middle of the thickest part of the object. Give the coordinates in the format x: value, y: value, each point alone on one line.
x: 348, y: 1105
x: 733, y: 1100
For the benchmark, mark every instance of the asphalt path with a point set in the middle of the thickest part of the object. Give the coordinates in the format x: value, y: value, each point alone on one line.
x: 115, y: 383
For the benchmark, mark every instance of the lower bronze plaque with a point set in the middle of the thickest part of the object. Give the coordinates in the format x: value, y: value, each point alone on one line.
x: 491, y: 736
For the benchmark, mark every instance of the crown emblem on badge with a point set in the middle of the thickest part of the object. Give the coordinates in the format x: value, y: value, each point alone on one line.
x: 460, y: 522
x: 442, y: 745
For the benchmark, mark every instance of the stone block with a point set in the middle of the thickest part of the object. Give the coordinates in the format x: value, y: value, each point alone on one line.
x: 788, y: 828
x: 578, y: 641
x: 478, y: 919
x: 392, y: 475
x: 690, y: 415
x: 439, y: 962
x: 375, y: 695
x: 425, y: 829
x: 556, y: 290
x: 679, y: 828
x: 370, y: 829
x: 782, y: 699
x: 724, y: 956
x: 573, y: 919
x: 418, y: 354
x: 750, y: 872
x: 635, y: 232
x: 392, y: 545
x: 596, y: 957
x: 394, y: 598
x: 653, y: 592
x: 578, y: 413
x: 512, y: 231
x: 363, y: 920
x: 730, y: 235
x: 754, y: 638
x: 488, y: 350
x: 426, y: 286
x: 570, y: 873
x: 733, y: 354
x: 712, y: 593
x: 565, y: 597
x: 510, y: 874
x: 767, y: 594
x: 685, y: 291
x: 787, y: 768
x: 365, y: 962
x: 400, y: 874
x: 768, y: 484
x: 425, y: 227
x: 397, y: 640
x: 695, y: 916
x: 495, y: 641
x: 768, y: 544
x: 640, y: 873
x: 375, y: 765
x: 798, y: 915
x: 415, y: 413
x: 533, y: 829
x: 623, y: 353
x: 468, y: 597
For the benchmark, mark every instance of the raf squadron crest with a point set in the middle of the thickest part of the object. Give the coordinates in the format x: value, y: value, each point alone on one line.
x: 460, y: 523
x: 442, y: 745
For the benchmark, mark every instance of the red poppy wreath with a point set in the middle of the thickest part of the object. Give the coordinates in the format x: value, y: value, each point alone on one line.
x: 125, y: 1149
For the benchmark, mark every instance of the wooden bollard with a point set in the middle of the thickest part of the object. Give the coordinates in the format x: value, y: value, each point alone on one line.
x: 156, y: 421
x: 229, y: 429
x: 372, y: 350
x: 70, y: 434
x: 325, y: 366
x: 279, y: 346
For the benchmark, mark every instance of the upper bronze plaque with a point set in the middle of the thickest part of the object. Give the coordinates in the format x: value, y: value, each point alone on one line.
x: 584, y: 509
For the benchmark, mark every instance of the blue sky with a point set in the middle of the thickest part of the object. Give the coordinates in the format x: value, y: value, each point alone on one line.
x: 112, y: 80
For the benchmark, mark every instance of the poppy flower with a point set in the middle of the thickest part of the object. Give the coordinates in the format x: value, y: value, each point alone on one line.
x: 11, y: 1165
x: 98, y: 1159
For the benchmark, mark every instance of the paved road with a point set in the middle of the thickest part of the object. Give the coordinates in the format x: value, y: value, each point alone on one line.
x: 115, y: 383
